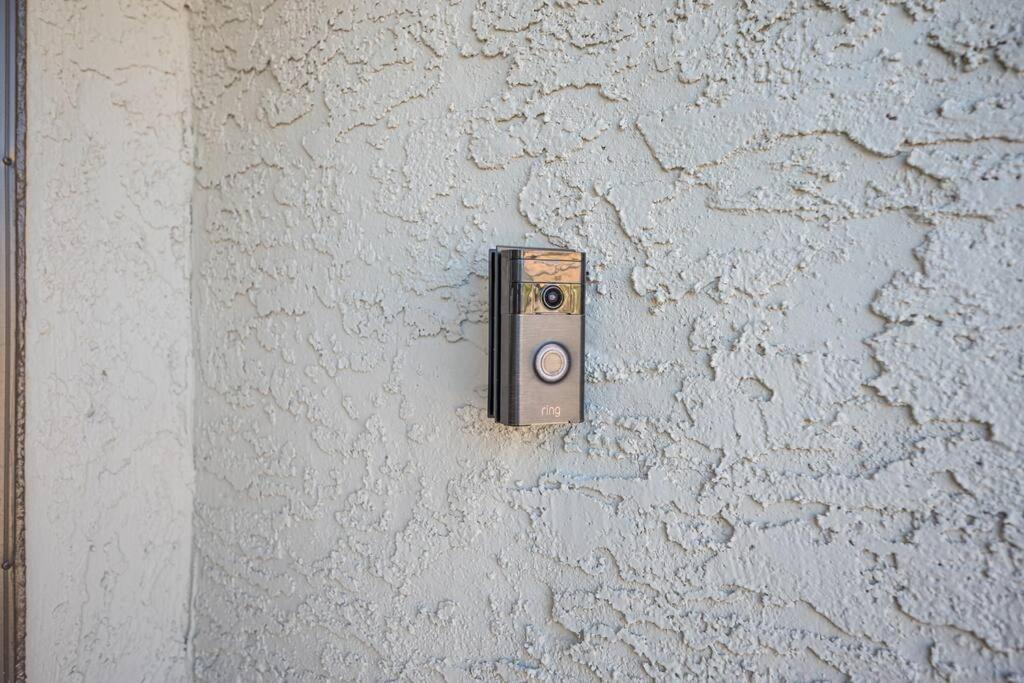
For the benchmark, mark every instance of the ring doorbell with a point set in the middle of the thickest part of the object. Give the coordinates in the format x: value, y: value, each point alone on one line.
x: 536, y: 336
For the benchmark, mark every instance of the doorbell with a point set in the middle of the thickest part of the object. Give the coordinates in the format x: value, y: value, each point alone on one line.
x: 536, y: 336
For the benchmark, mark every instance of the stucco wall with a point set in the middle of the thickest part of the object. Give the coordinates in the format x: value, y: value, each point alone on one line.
x: 109, y: 461
x: 803, y: 458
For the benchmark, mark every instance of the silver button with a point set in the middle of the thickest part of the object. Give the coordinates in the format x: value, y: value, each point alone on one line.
x: 551, y: 362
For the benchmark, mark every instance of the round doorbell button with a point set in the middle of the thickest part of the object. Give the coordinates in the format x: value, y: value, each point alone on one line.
x: 551, y: 362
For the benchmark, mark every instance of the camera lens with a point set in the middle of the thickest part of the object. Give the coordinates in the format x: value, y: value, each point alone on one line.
x: 552, y: 296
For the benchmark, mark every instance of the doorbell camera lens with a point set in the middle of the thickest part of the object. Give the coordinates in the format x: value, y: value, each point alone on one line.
x: 553, y: 297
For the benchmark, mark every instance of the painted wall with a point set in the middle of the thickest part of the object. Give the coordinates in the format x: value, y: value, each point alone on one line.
x: 109, y: 461
x: 803, y: 458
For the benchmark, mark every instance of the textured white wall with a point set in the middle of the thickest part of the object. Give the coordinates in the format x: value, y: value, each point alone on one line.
x: 806, y: 330
x: 109, y: 462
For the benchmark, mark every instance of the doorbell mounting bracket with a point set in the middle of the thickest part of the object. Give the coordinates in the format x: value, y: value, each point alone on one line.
x: 535, y: 347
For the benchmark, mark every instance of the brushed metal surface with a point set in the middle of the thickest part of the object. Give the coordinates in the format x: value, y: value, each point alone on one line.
x: 535, y: 401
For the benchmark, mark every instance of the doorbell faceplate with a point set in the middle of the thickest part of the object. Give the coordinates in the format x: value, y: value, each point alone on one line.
x: 536, y: 336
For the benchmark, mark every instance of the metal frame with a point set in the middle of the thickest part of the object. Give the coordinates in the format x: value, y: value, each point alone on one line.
x: 12, y: 351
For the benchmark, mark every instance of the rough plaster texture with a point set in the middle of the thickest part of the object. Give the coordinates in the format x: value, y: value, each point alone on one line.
x: 803, y: 458
x: 109, y: 457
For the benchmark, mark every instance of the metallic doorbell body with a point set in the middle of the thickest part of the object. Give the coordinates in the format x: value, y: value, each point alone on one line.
x: 536, y: 336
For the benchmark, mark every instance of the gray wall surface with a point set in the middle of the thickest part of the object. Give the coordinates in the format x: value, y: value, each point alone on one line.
x: 109, y: 452
x: 803, y: 458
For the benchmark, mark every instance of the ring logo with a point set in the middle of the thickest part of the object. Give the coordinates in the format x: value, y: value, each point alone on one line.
x: 551, y: 411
